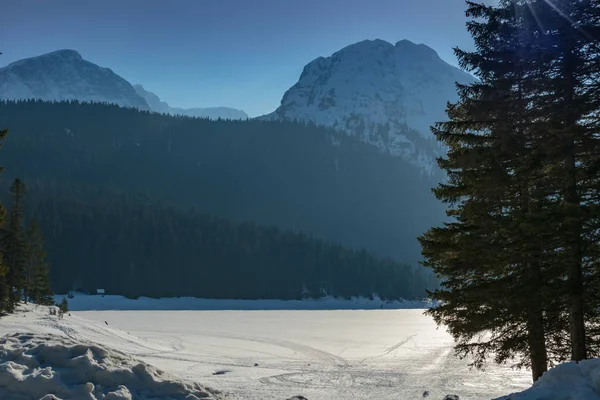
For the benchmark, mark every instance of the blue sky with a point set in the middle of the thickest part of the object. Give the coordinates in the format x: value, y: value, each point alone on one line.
x: 237, y: 53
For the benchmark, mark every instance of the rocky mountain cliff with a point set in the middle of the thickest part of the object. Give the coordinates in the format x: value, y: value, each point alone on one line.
x: 65, y: 75
x: 387, y: 95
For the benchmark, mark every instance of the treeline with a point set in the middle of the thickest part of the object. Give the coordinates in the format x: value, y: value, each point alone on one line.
x: 24, y: 273
x: 282, y: 174
x: 521, y: 258
x: 127, y: 244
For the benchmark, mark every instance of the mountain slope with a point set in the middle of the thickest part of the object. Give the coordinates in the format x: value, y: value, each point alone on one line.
x: 157, y: 105
x: 65, y: 75
x: 387, y: 95
x: 271, y: 173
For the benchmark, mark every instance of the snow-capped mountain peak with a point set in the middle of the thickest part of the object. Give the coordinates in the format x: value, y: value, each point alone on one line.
x: 65, y: 75
x: 63, y: 54
x: 388, y: 95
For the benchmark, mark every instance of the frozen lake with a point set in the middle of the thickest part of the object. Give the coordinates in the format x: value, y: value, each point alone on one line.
x: 322, y: 355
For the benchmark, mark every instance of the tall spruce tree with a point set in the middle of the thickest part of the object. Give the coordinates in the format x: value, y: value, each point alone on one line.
x: 37, y: 272
x: 563, y: 93
x: 568, y: 41
x: 495, y: 292
x: 15, y: 248
x: 520, y: 257
x: 3, y: 267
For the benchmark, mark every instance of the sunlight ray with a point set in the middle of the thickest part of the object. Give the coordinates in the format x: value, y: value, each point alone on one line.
x: 534, y: 13
x: 560, y: 12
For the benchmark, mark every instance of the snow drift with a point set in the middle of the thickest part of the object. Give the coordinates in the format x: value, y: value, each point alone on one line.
x: 33, y: 366
x: 568, y: 381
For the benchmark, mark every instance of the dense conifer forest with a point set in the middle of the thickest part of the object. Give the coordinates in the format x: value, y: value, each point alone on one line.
x: 126, y: 244
x: 287, y: 175
x: 144, y: 204
x: 24, y: 271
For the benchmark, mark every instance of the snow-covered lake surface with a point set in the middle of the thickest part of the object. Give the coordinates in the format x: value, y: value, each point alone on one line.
x: 377, y: 354
x: 325, y: 355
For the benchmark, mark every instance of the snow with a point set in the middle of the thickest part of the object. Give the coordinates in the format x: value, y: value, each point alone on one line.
x: 51, y: 366
x: 278, y: 354
x: 568, y: 381
x: 65, y: 75
x: 371, y: 89
x: 85, y: 302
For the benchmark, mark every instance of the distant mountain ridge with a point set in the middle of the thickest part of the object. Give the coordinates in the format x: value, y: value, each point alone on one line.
x: 387, y: 95
x: 157, y: 105
x: 66, y: 75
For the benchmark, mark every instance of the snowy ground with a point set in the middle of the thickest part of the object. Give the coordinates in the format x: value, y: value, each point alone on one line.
x: 324, y: 355
x: 84, y: 302
x: 52, y: 367
x: 568, y: 381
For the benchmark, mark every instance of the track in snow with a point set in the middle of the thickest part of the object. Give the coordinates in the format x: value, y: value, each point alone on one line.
x: 278, y: 354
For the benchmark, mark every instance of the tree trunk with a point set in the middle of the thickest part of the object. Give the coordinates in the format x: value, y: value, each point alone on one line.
x: 536, y: 334
x: 27, y: 281
x: 574, y: 224
x: 574, y: 271
x: 537, y: 342
x: 535, y: 320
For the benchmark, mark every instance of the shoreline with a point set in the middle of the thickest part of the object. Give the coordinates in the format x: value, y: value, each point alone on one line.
x: 87, y: 302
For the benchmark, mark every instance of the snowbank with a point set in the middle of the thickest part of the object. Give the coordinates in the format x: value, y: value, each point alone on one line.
x: 568, y: 381
x: 85, y: 302
x: 36, y: 365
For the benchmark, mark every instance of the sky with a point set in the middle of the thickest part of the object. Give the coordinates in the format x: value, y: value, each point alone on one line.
x: 206, y: 53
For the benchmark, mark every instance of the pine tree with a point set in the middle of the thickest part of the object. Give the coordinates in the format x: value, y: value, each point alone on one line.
x: 495, y: 262
x: 569, y: 91
x: 3, y: 267
x: 4, y: 288
x: 37, y: 272
x: 563, y: 93
x: 63, y: 306
x: 15, y: 248
x: 521, y: 254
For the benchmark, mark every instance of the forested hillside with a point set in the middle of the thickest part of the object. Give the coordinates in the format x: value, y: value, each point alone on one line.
x: 284, y: 174
x: 126, y: 244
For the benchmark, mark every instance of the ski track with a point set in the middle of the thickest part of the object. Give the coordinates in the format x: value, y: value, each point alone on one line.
x: 311, y: 352
x: 345, y: 376
x: 337, y: 373
x: 106, y: 333
x: 389, y: 349
x: 404, y: 369
x: 422, y: 360
x: 333, y: 373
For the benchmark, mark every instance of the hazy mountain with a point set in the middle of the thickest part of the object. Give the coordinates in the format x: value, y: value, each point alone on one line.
x: 387, y: 95
x: 156, y: 104
x: 65, y: 75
